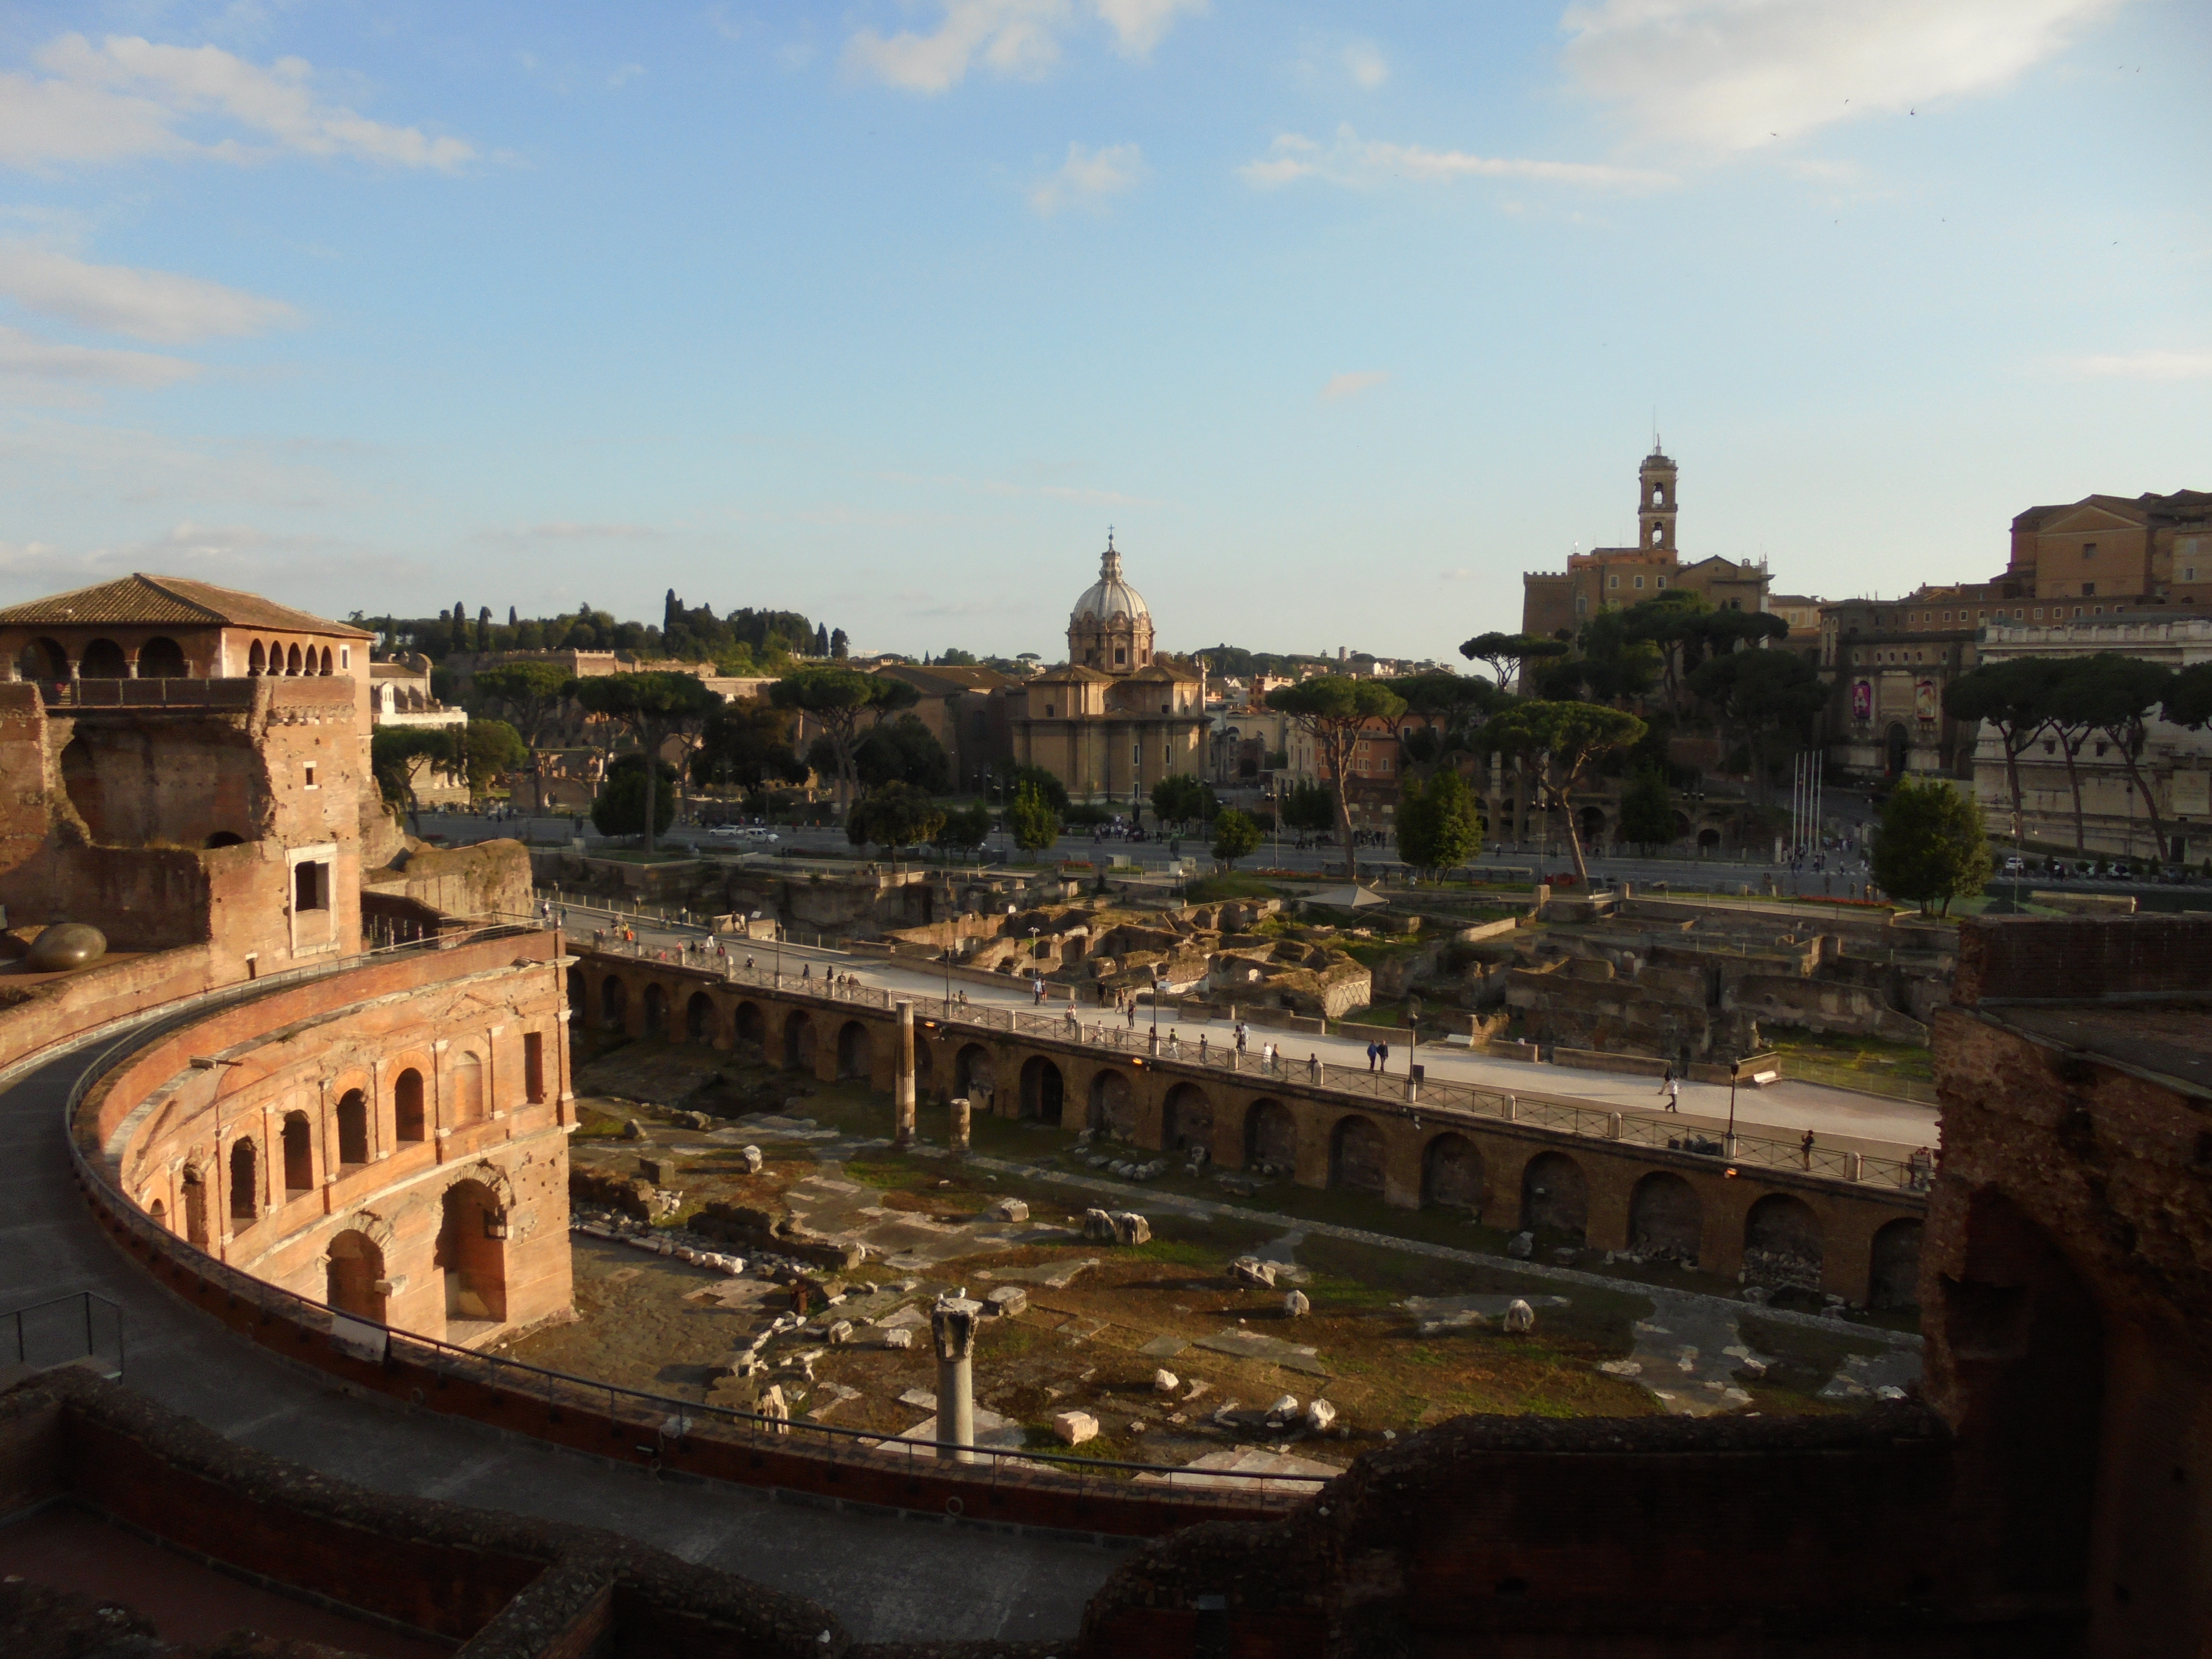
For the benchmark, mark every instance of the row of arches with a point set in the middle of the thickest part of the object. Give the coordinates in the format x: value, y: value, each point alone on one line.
x: 277, y: 658
x: 469, y: 1257
x: 159, y: 659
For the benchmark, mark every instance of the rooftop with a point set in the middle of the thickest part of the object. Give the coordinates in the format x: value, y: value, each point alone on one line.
x: 142, y: 600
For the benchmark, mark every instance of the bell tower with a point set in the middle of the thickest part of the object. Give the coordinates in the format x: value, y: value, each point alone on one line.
x: 1655, y: 511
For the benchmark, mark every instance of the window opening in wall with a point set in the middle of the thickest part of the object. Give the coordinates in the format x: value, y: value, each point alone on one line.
x: 256, y: 660
x: 310, y: 775
x: 407, y: 1118
x: 244, y: 1185
x: 468, y: 1090
x: 345, y: 656
x: 533, y: 1065
x: 299, y: 1155
x: 2088, y: 550
x: 311, y: 887
x: 2088, y: 590
x: 353, y: 1127
x: 195, y: 1227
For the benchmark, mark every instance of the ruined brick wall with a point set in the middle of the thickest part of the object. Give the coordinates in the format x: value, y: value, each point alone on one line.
x: 395, y: 1114
x: 489, y: 878
x: 2079, y: 958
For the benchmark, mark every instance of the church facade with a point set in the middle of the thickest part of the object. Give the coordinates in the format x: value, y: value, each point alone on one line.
x: 1118, y: 716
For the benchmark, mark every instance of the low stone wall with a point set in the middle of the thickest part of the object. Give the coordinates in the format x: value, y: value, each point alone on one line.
x: 1597, y: 1060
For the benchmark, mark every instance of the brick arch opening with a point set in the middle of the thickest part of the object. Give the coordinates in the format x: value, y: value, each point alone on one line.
x: 1451, y: 1175
x: 746, y: 1020
x: 42, y: 660
x: 1666, y: 1219
x: 298, y: 1141
x: 1356, y: 1154
x: 1893, y: 1280
x: 353, y: 1127
x: 196, y: 1214
x: 799, y: 1042
x: 972, y: 1072
x: 351, y: 1275
x: 1044, y: 1090
x: 244, y: 1180
x: 468, y: 1089
x: 1186, y: 1119
x: 614, y: 1004
x: 1271, y: 1138
x: 853, y: 1051
x: 1113, y: 1108
x: 103, y: 659
x: 408, y: 1118
x: 1554, y: 1196
x: 656, y: 1009
x: 292, y: 660
x: 471, y: 1252
x: 159, y: 1211
x: 1782, y: 1243
x: 699, y: 1018
x: 257, y: 659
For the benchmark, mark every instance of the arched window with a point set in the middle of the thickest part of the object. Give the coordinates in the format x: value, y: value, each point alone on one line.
x: 244, y: 1185
x: 103, y: 661
x: 256, y: 660
x: 299, y: 1154
x: 292, y: 660
x: 42, y: 660
x: 326, y: 662
x: 161, y: 659
x: 407, y: 1106
x: 353, y: 1127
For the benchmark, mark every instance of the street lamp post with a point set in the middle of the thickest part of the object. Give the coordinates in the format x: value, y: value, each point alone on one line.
x: 1735, y: 1070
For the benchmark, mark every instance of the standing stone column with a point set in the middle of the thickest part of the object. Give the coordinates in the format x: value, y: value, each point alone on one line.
x: 960, y: 1108
x: 952, y: 1325
x: 902, y: 1083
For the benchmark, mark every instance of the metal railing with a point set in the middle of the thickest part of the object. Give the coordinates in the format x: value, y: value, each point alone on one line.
x: 67, y: 1328
x: 177, y: 691
x: 664, y: 1418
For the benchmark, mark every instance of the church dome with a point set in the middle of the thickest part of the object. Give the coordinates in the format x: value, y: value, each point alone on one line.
x: 1109, y: 596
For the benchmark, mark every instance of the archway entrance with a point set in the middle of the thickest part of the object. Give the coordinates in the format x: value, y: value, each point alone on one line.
x: 353, y: 1127
x: 1113, y: 1105
x: 748, y: 1023
x: 1554, y: 1197
x: 355, y: 1270
x: 472, y: 1253
x: 699, y: 1018
x: 1355, y: 1156
x: 1043, y: 1090
x: 971, y: 1073
x: 245, y: 1181
x: 1187, y: 1119
x: 853, y: 1050
x: 1451, y: 1175
x: 1894, y: 1281
x: 1897, y: 749
x: 407, y: 1122
x: 656, y: 1012
x: 1782, y: 1243
x: 1666, y: 1219
x: 613, y: 1004
x: 799, y: 1043
x: 1271, y: 1139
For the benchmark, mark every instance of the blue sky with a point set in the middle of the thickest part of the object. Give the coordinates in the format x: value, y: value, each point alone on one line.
x: 1342, y: 317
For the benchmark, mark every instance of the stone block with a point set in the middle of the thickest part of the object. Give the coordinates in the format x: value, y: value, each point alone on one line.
x: 1520, y: 1318
x: 1130, y: 1228
x: 1250, y: 1270
x: 1165, y: 1382
x: 1011, y: 1209
x: 751, y: 1155
x: 1521, y: 1246
x: 1073, y: 1428
x: 1320, y: 1415
x: 1284, y: 1410
x: 1008, y: 1300
x: 840, y: 1332
x: 1296, y: 1305
x: 899, y: 1337
x: 1098, y: 1227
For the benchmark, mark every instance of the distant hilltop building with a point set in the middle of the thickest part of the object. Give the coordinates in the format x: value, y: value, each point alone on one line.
x: 1556, y: 602
x: 1118, y: 716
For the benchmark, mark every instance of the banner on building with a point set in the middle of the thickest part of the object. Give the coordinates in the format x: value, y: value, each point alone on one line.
x: 1862, y: 700
x: 1923, y: 700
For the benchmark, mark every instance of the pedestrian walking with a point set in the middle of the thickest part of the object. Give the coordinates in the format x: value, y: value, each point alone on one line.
x: 1672, y: 1088
x: 1370, y: 1056
x: 1806, y: 1145
x: 1239, y: 1036
x: 1382, y: 1056
x: 1313, y: 1068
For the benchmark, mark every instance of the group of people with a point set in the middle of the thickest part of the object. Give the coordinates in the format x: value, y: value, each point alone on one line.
x: 1378, y: 1056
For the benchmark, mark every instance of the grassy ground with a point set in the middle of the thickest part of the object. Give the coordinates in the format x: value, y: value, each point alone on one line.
x: 1876, y: 1056
x: 1213, y: 890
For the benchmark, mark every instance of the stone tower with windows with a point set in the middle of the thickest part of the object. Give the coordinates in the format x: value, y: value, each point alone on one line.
x: 1110, y: 629
x: 1655, y: 513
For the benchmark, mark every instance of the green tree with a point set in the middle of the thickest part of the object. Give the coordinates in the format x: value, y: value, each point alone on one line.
x: 393, y: 754
x: 748, y: 744
x: 1438, y: 824
x: 1646, y: 811
x: 2012, y: 699
x: 1509, y: 654
x: 2189, y: 699
x: 487, y: 749
x: 1308, y: 806
x: 894, y: 815
x: 2119, y: 697
x: 837, y: 700
x: 1333, y: 710
x: 1930, y: 847
x: 903, y: 750
x: 1031, y: 818
x: 1560, y: 745
x: 629, y: 792
x: 1236, y: 833
x: 652, y: 709
x: 1011, y: 778
x: 1762, y: 697
x: 964, y: 829
x: 955, y: 658
x: 531, y: 692
x: 1180, y: 798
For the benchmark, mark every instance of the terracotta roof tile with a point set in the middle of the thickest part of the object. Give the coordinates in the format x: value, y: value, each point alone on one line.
x: 142, y: 600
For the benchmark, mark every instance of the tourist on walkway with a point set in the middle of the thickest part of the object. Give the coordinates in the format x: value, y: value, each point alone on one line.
x: 1806, y: 1144
x: 1382, y: 1056
x: 1313, y: 1068
x: 1239, y: 1036
x: 1672, y: 1088
x: 1371, y: 1052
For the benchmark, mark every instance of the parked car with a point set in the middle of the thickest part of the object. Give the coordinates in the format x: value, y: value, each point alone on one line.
x: 725, y: 832
x: 2016, y: 865
x: 761, y: 835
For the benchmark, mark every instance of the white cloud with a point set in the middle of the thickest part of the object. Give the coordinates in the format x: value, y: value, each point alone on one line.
x: 1139, y: 25
x: 1353, y: 160
x: 147, y: 304
x: 1364, y: 62
x: 1018, y: 38
x: 1351, y: 384
x: 1732, y: 75
x: 567, y: 530
x: 129, y: 97
x: 25, y: 357
x: 2151, y: 365
x: 1088, y: 177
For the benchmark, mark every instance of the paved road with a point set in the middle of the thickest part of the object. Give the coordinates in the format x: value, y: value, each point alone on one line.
x: 1842, y: 1119
x: 887, y: 1580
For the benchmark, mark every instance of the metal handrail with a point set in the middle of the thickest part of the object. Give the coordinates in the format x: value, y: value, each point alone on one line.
x: 88, y: 1298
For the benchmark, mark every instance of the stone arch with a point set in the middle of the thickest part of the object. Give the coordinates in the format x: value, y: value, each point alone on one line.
x: 103, y: 659
x: 973, y: 1072
x: 1271, y: 1138
x: 1451, y: 1174
x: 353, y: 1271
x: 472, y: 1251
x: 1893, y: 1280
x: 1113, y: 1108
x: 614, y: 999
x: 81, y: 781
x: 1186, y: 1119
x: 257, y: 659
x: 1592, y: 821
x: 1554, y: 1196
x: 1044, y: 1090
x: 1709, y: 838
x: 799, y: 1042
x: 196, y: 1214
x: 353, y: 1127
x: 408, y: 1119
x: 1666, y: 1218
x: 746, y: 1020
x: 43, y: 659
x: 656, y: 1009
x: 245, y: 1179
x: 1782, y: 1242
x: 468, y: 1089
x: 298, y: 1141
x: 1356, y: 1155
x: 292, y: 660
x: 159, y: 1211
x: 699, y: 1018
x: 852, y: 1056
x: 325, y: 671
